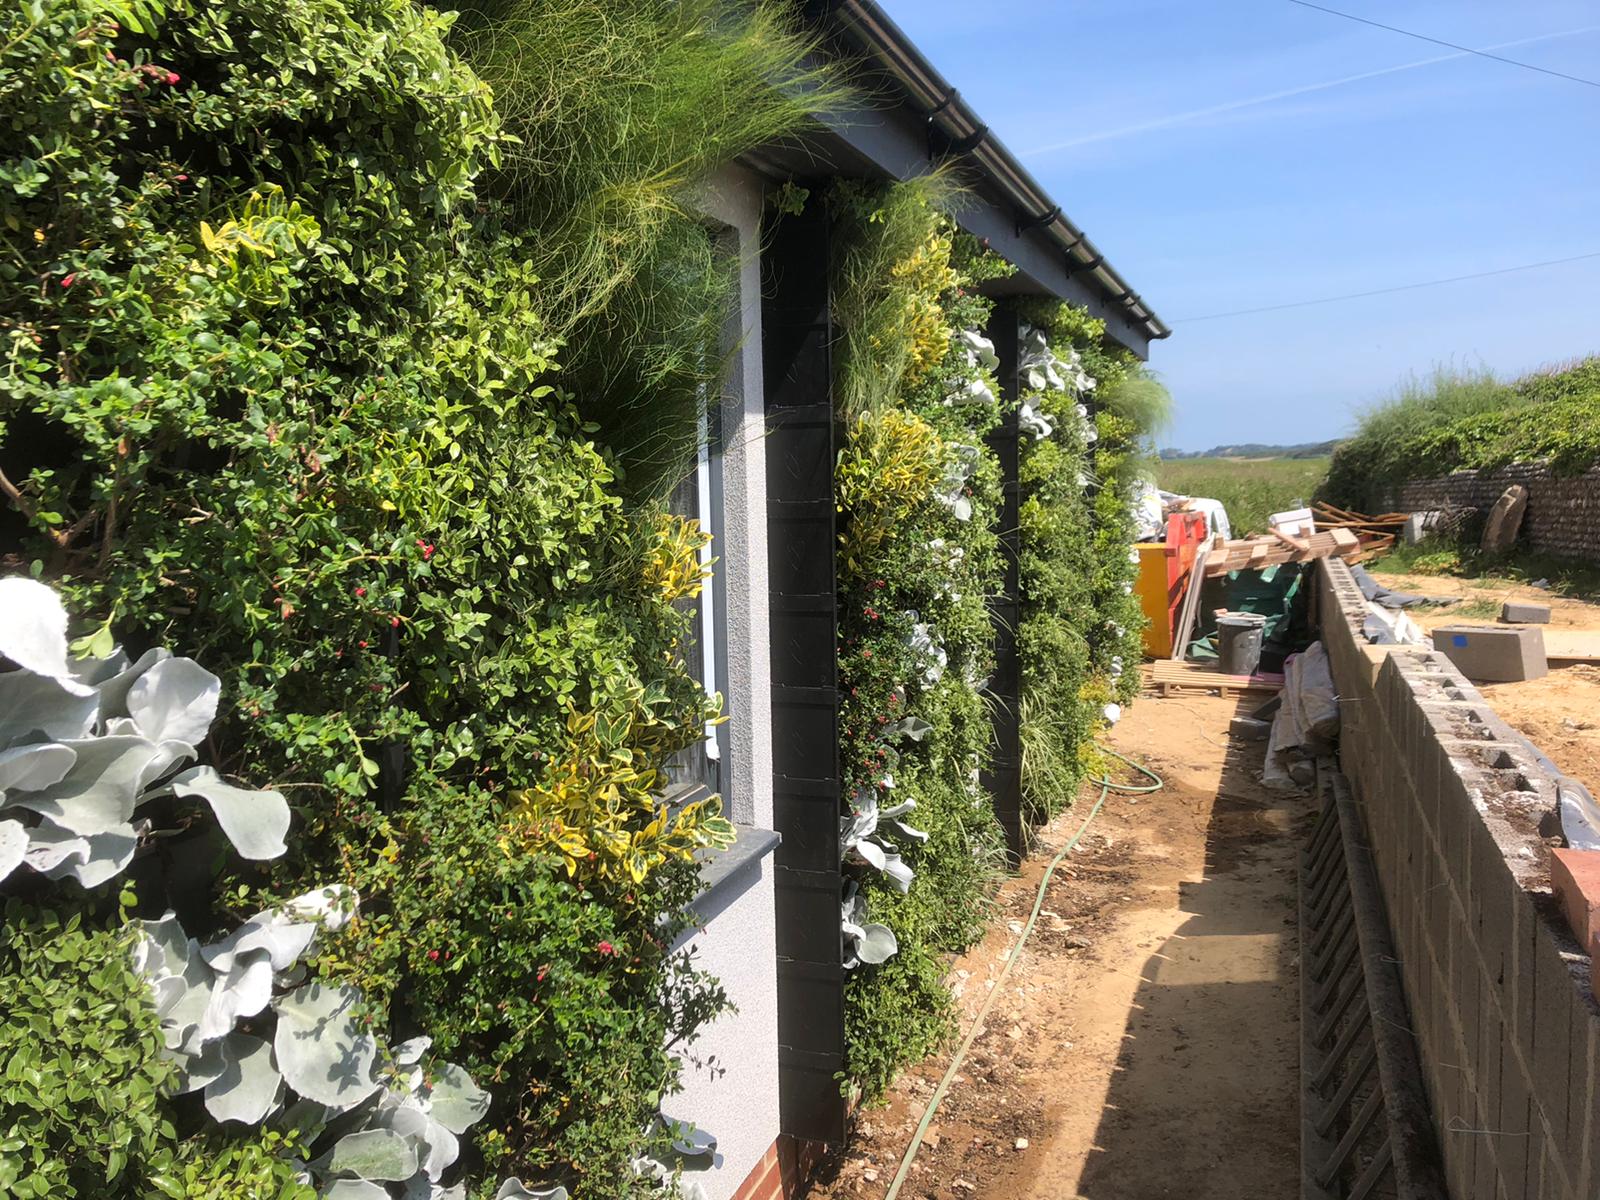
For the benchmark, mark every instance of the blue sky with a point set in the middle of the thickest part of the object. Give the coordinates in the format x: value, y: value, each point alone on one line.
x: 1139, y: 116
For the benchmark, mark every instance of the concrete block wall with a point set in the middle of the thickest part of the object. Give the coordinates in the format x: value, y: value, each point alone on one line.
x: 1563, y: 513
x: 1507, y: 1026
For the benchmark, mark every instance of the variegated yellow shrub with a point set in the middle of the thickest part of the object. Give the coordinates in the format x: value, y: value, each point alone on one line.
x: 599, y: 806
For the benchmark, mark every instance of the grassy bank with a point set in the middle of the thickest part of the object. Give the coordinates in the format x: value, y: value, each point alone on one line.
x: 1250, y: 489
x: 1455, y: 418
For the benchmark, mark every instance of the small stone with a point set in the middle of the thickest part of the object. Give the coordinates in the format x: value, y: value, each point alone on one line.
x: 1022, y: 1143
x: 966, y: 1185
x: 870, y: 1175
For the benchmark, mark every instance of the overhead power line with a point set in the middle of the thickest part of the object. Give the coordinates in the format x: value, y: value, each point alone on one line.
x: 1404, y: 287
x: 1422, y: 37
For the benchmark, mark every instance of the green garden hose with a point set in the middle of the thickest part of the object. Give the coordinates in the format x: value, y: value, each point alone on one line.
x: 1106, y: 788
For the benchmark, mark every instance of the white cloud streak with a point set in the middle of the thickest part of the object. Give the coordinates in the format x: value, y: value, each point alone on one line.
x: 1216, y: 110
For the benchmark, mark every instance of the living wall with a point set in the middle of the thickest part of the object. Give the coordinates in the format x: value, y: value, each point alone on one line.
x: 918, y: 493
x: 315, y: 346
x: 1457, y: 419
x: 1080, y: 639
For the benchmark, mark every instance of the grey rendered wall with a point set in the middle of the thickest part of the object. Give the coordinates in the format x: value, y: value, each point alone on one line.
x: 734, y: 1096
x: 1506, y: 1026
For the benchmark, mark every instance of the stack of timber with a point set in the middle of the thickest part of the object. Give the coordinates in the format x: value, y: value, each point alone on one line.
x: 1340, y: 534
x: 1380, y: 531
x: 1168, y: 678
x: 1252, y: 554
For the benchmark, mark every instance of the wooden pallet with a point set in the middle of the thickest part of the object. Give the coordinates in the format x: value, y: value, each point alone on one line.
x: 1180, y: 678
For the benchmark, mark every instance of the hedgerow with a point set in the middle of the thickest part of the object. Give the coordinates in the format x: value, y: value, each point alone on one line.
x: 287, y: 386
x: 1454, y: 421
x: 918, y: 493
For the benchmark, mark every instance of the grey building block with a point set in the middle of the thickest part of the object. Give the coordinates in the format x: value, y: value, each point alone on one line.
x: 1493, y: 653
x: 1524, y: 612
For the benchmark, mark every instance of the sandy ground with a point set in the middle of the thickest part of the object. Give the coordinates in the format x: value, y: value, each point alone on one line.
x: 1560, y: 712
x: 1147, y: 1044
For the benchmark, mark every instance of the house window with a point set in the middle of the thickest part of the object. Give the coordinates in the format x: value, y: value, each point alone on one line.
x: 699, y: 495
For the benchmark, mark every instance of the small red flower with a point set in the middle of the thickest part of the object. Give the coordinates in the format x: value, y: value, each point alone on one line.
x: 606, y: 948
x: 543, y: 971
x: 181, y: 178
x: 427, y: 549
x: 433, y: 956
x: 394, y: 622
x: 363, y: 645
x: 361, y: 591
x: 173, y: 77
x: 67, y: 280
x: 866, y: 654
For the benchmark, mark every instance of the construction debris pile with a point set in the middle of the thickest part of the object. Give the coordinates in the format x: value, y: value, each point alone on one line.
x: 1339, y: 533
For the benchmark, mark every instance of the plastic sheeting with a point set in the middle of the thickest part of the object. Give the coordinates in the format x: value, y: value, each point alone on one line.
x: 1378, y: 594
x: 1307, y: 719
x: 1149, y: 518
x: 1391, y: 627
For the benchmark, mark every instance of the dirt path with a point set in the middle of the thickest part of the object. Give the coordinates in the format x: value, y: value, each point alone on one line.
x: 1148, y: 1046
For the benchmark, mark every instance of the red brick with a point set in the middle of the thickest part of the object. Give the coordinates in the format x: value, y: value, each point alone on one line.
x: 765, y: 1182
x: 1575, y: 874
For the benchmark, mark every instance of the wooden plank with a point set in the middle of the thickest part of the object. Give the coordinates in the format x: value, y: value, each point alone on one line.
x: 1191, y: 603
x: 1571, y: 645
x: 1299, y: 544
x: 1174, y: 677
x: 1343, y: 539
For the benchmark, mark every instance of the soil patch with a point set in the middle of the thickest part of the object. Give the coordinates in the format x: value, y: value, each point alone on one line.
x: 1148, y: 1042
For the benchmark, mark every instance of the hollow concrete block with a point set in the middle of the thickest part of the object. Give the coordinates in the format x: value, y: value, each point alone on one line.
x: 1494, y: 653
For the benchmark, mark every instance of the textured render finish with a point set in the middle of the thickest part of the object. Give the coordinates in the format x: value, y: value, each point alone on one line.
x: 735, y: 1098
x: 734, y: 198
x: 1563, y: 515
x: 1499, y: 992
x: 731, y: 1071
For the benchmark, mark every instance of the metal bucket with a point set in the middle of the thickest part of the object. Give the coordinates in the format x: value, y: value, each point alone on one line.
x: 1239, y: 643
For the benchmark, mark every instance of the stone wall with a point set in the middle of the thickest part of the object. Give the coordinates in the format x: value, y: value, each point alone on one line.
x: 1506, y: 1024
x: 1563, y: 513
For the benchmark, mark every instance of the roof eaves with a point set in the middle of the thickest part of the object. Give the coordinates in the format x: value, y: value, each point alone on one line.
x: 949, y: 117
